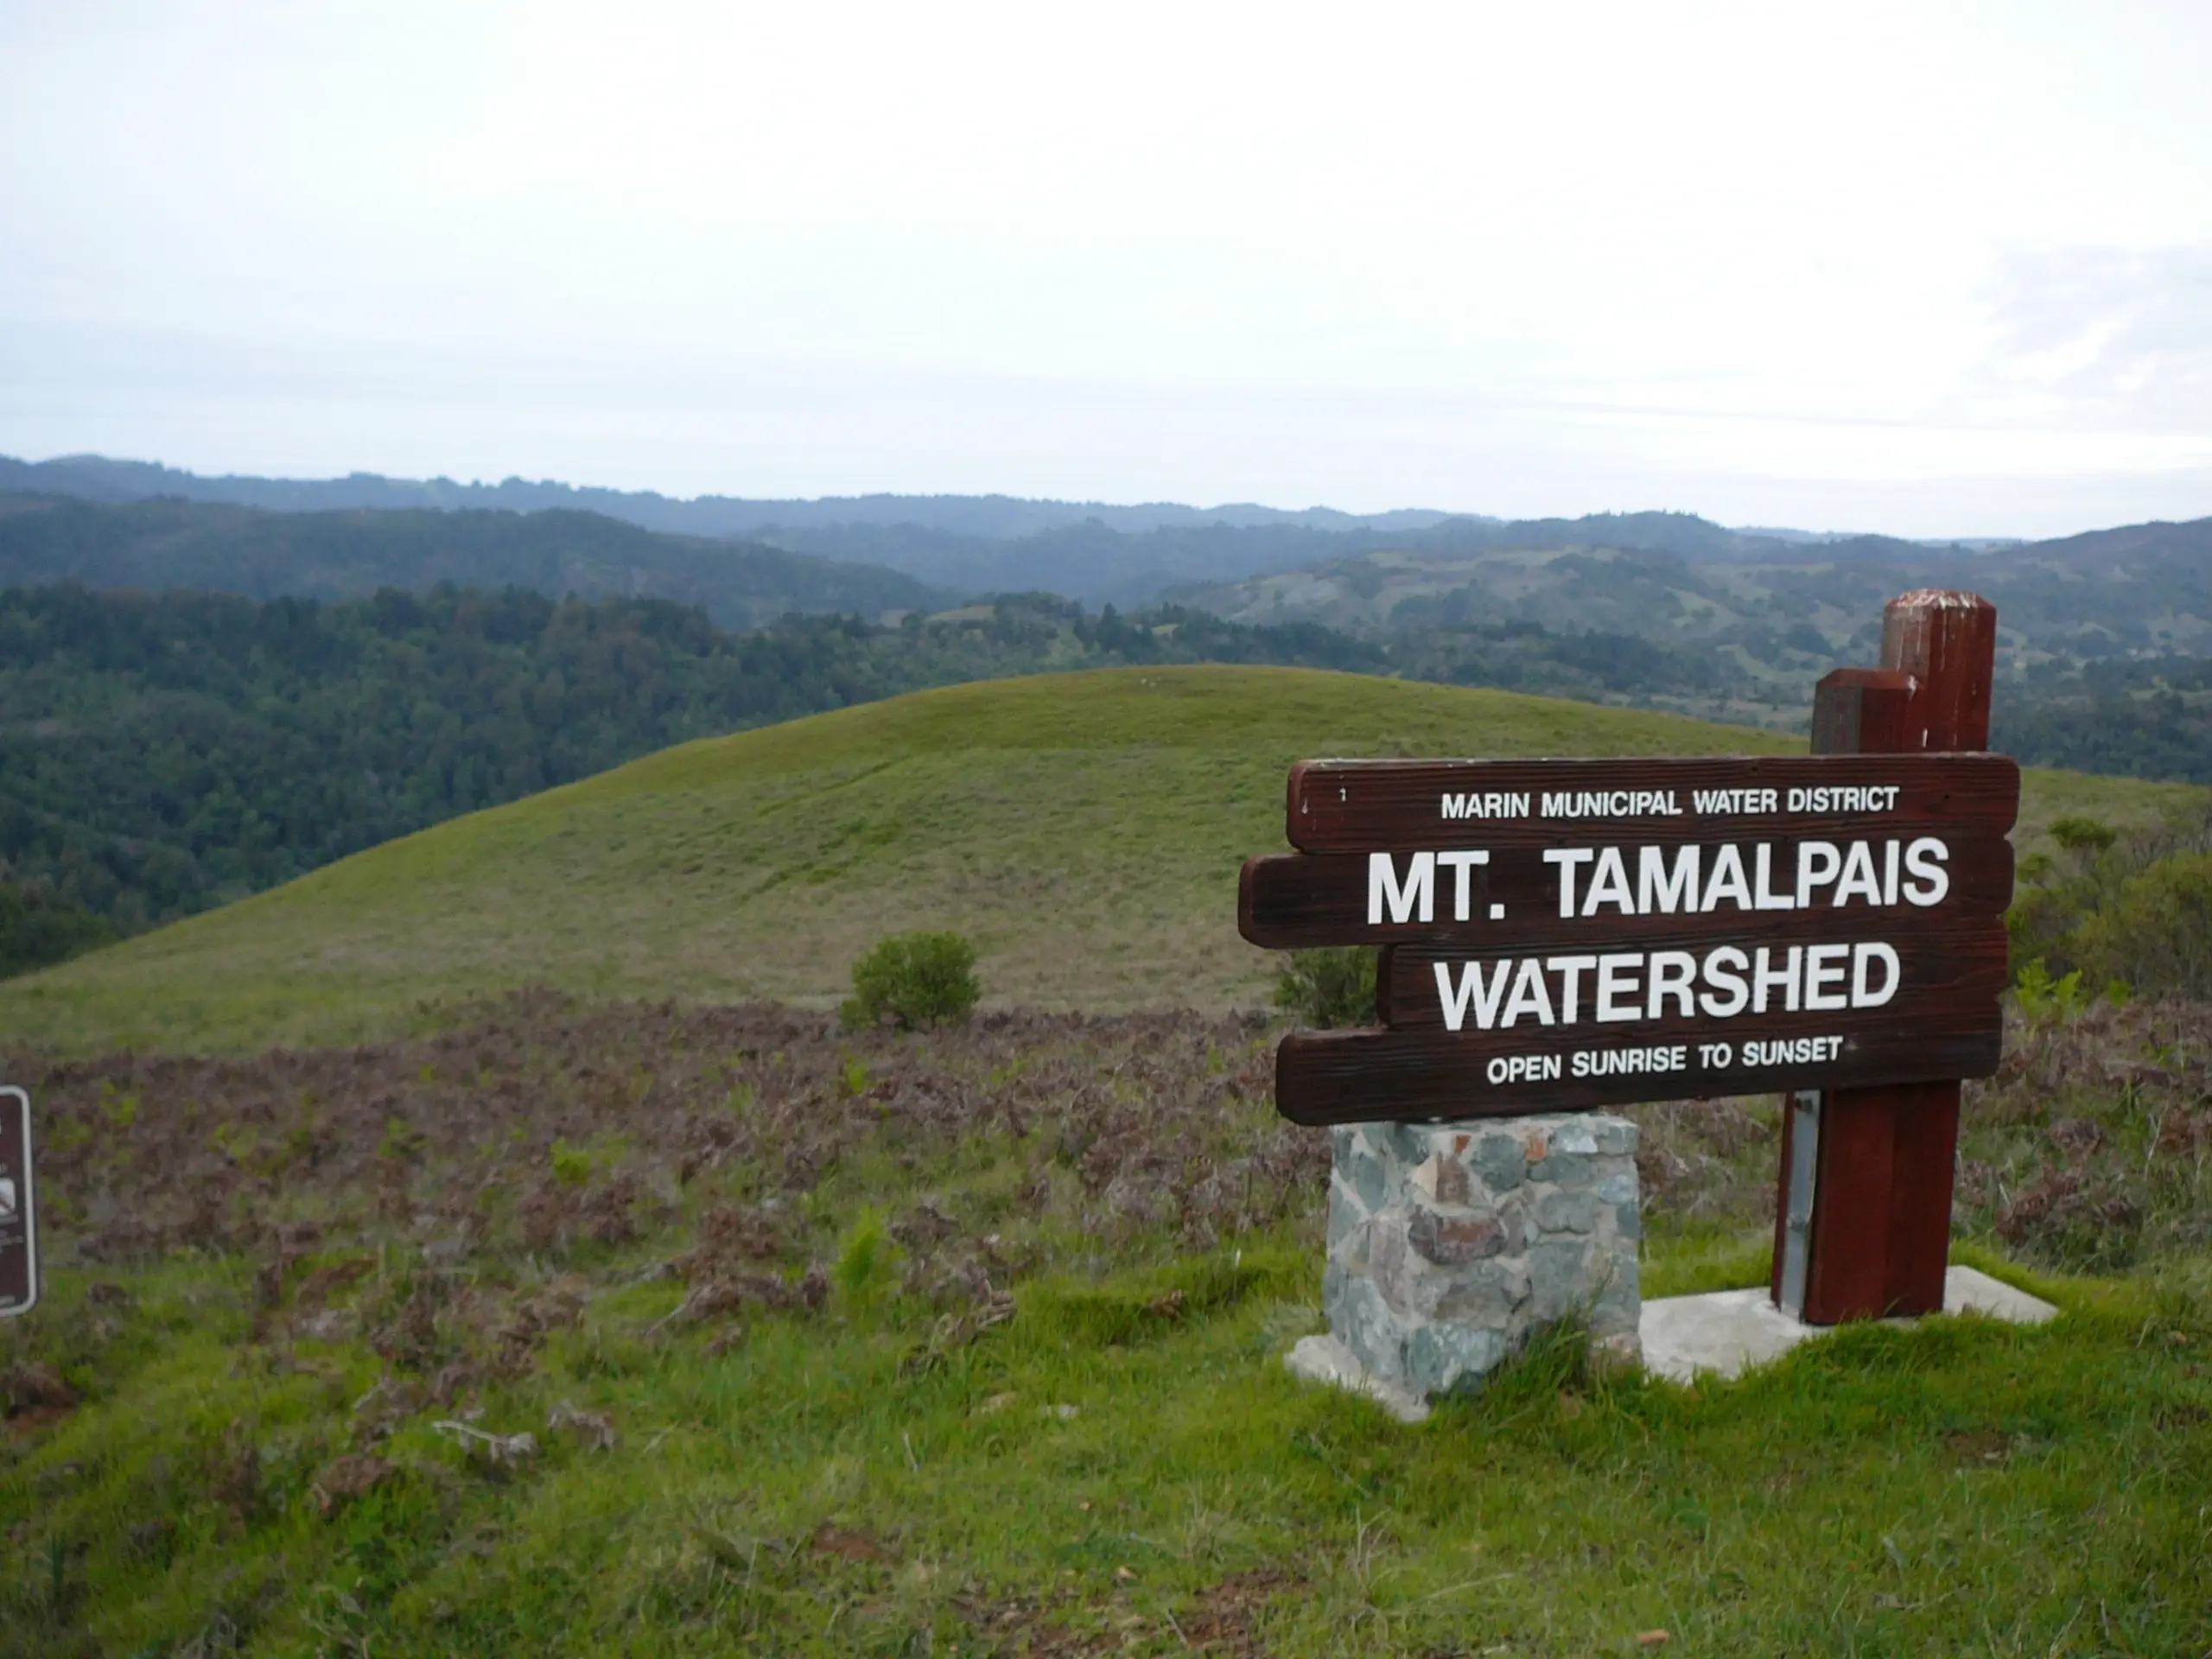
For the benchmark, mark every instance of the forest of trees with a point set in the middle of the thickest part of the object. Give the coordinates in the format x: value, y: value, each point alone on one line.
x: 168, y: 546
x: 2144, y: 717
x: 158, y: 755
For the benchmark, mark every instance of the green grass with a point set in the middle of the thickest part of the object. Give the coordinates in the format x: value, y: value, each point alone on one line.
x: 1084, y: 829
x: 1964, y: 1486
x: 1124, y: 1467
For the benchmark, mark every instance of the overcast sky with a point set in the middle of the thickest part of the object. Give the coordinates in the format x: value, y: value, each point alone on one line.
x: 1928, y: 269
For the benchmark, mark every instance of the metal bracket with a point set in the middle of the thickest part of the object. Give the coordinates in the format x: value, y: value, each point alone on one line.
x: 1797, y: 1217
x: 19, y: 1277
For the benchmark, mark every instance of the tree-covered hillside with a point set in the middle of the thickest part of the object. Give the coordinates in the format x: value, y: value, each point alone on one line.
x: 159, y: 754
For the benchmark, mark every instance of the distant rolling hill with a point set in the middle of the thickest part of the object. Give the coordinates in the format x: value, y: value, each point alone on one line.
x: 1086, y: 828
x: 1093, y: 551
x: 1672, y: 576
x: 159, y: 546
x: 1788, y: 613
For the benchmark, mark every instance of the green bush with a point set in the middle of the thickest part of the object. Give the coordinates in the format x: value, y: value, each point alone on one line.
x: 1331, y: 987
x: 2082, y: 836
x: 2047, y: 1001
x: 38, y: 928
x: 572, y: 1165
x: 2131, y: 907
x: 2155, y: 932
x: 914, y: 980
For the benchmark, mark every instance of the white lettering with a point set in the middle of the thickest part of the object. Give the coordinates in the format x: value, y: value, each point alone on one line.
x: 1459, y: 863
x: 1672, y: 974
x: 1570, y: 971
x: 1764, y: 979
x: 1567, y: 858
x: 1614, y: 983
x: 1530, y: 994
x: 1728, y: 880
x: 1470, y: 993
x: 1724, y: 972
x: 1609, y: 885
x: 1925, y: 859
x: 1660, y: 889
x: 1862, y: 994
x: 1817, y: 863
x: 1859, y: 875
x: 1770, y: 900
x: 1417, y: 894
x: 1824, y: 966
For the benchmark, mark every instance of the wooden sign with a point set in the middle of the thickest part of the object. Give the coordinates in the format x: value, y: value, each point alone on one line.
x: 1566, y: 934
x: 18, y: 1214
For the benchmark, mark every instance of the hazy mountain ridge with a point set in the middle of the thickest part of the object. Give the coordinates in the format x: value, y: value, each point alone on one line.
x: 991, y: 517
x: 1096, y: 551
x: 2139, y: 590
x: 165, y: 545
x: 1784, y: 603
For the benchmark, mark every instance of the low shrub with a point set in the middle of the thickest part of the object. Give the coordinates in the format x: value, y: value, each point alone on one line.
x: 866, y: 1269
x: 2047, y: 1001
x: 914, y: 980
x: 2155, y: 931
x: 1331, y: 987
x: 2134, y: 907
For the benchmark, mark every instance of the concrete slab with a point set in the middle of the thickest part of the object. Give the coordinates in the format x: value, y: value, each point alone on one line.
x: 1324, y: 1359
x: 1727, y: 1331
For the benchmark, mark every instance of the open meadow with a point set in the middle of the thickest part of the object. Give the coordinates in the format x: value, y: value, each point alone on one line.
x: 494, y: 1243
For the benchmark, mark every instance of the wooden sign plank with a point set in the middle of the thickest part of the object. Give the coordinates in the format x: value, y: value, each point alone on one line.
x: 1297, y: 900
x: 1563, y: 935
x: 1855, y: 978
x: 1360, y: 807
x: 18, y: 1214
x: 1363, y: 1077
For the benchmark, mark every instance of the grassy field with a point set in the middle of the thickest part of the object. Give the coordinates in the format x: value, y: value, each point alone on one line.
x: 574, y: 1309
x: 1085, y: 829
x: 969, y: 1344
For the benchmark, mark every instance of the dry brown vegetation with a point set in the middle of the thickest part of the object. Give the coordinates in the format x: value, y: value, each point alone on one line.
x: 534, y: 1141
x: 453, y: 1198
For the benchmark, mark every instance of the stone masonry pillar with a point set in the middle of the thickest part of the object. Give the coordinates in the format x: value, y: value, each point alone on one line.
x: 1450, y: 1242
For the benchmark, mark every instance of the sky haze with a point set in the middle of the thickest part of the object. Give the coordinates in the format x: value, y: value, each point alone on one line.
x: 1932, y: 270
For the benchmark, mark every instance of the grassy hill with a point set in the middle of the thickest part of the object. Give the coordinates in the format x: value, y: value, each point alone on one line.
x: 1086, y: 828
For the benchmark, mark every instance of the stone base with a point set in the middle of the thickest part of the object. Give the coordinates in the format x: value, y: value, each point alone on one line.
x: 1721, y: 1333
x: 1324, y: 1359
x: 1449, y: 1243
x: 1724, y: 1333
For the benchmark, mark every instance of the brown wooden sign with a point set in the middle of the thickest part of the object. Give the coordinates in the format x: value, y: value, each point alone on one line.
x: 18, y: 1214
x: 1566, y: 934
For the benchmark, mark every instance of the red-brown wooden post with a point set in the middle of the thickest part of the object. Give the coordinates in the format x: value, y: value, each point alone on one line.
x: 1870, y: 1207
